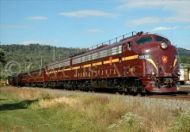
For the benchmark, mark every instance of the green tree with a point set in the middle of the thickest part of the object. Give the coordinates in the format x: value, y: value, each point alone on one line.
x: 2, y: 56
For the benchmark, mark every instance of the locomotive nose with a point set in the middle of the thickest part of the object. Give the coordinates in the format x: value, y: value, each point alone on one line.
x: 160, y: 59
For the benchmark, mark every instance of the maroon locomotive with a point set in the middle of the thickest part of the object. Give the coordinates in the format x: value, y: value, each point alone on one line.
x: 141, y: 63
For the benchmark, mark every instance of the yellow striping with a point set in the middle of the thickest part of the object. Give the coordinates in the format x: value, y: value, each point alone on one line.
x: 107, y: 62
x: 130, y: 57
x: 76, y: 67
x: 60, y: 70
x: 67, y: 69
x: 111, y: 61
x: 88, y: 65
x: 96, y: 64
x: 51, y: 72
x: 153, y: 63
x: 175, y: 61
x: 115, y: 60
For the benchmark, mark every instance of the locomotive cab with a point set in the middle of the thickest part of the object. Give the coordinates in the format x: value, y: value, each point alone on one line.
x: 160, y: 58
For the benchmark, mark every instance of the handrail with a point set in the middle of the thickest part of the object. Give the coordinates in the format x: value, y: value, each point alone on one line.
x: 108, y: 42
x: 112, y: 41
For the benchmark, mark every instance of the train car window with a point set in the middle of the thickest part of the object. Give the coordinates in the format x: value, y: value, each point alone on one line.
x: 94, y: 56
x: 64, y: 63
x: 144, y: 40
x: 109, y: 52
x: 98, y: 54
x: 116, y: 50
x: 161, y: 39
x: 103, y: 53
x: 129, y: 44
x: 83, y: 58
x: 77, y: 60
x: 59, y: 64
x: 90, y: 56
x: 86, y: 58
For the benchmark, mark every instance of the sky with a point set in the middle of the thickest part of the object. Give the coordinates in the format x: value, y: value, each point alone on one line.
x: 84, y: 23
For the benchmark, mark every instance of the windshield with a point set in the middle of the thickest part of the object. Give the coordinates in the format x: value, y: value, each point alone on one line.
x: 161, y: 39
x: 143, y: 40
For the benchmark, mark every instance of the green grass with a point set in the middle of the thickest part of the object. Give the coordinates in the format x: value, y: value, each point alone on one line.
x: 45, y: 120
x: 17, y: 115
x: 25, y: 109
x: 181, y: 123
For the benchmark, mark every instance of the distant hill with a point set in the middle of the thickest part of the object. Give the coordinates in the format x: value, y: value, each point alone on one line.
x: 36, y: 52
x: 33, y: 56
x: 184, y: 55
x: 184, y: 52
x: 30, y: 57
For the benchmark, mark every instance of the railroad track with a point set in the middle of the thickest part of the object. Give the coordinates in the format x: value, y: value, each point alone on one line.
x: 181, y: 95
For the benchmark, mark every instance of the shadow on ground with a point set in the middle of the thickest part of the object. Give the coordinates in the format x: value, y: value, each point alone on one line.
x: 14, y: 106
x: 2, y: 99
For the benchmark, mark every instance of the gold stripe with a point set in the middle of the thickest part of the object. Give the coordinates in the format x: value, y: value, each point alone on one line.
x: 68, y: 69
x: 111, y: 61
x: 175, y: 61
x: 61, y: 70
x: 76, y: 67
x: 107, y: 62
x: 99, y: 63
x: 96, y: 64
x: 87, y: 65
x: 115, y: 60
x: 152, y: 62
x: 130, y: 57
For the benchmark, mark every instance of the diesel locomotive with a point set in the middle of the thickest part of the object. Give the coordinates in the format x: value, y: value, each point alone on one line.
x: 139, y: 63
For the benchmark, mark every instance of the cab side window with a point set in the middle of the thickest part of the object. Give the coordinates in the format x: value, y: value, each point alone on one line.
x: 129, y: 44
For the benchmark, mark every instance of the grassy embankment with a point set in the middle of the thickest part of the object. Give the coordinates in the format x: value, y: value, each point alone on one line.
x: 39, y: 110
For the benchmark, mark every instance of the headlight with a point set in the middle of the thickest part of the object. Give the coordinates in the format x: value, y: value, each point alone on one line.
x: 163, y: 45
x: 179, y: 73
x: 153, y: 73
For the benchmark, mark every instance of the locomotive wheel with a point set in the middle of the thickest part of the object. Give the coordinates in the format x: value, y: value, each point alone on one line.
x: 135, y: 93
x: 134, y: 90
x: 126, y: 91
x: 143, y: 92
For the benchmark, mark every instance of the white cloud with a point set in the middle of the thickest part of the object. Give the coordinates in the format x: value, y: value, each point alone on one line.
x: 143, y: 21
x: 162, y: 28
x: 95, y: 30
x: 165, y: 4
x: 178, y: 19
x: 140, y: 3
x: 179, y: 8
x: 87, y: 13
x: 37, y: 18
